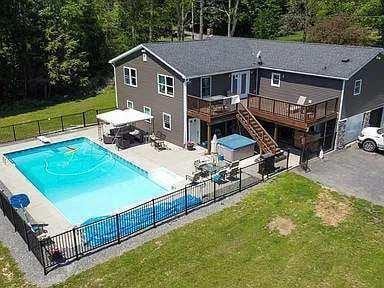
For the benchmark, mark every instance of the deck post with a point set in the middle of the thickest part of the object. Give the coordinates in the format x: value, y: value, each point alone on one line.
x: 209, y: 137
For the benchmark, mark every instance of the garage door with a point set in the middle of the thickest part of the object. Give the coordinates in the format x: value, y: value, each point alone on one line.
x: 353, y: 127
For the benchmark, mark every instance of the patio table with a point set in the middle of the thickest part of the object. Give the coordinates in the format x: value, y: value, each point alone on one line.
x: 212, y: 168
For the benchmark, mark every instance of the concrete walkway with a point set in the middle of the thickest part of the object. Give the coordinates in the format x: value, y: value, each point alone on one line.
x: 352, y: 171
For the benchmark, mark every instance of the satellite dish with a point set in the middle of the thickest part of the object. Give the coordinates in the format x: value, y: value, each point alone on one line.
x: 259, y: 58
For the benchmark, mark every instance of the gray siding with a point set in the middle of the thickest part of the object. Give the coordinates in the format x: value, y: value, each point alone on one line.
x: 293, y: 85
x: 220, y: 85
x: 145, y: 94
x: 372, y: 93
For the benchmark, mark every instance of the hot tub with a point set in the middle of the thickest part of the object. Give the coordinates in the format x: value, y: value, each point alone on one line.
x: 235, y: 147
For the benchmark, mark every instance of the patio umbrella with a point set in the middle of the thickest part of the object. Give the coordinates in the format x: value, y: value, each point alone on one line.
x: 214, y: 144
x: 20, y: 201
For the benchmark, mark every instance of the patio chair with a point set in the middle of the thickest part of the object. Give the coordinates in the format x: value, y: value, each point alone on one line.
x: 108, y: 139
x: 194, y: 178
x: 39, y: 230
x: 234, y: 164
x: 231, y: 173
x: 123, y: 143
x: 219, y: 177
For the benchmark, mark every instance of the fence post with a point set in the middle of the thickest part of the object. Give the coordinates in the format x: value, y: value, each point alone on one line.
x: 186, y: 200
x: 42, y: 257
x: 1, y: 203
x: 214, y: 191
x: 288, y: 154
x: 38, y: 127
x: 13, y: 218
x: 240, y: 179
x: 62, y: 124
x: 75, y: 243
x: 84, y: 119
x: 14, y: 132
x: 26, y: 235
x: 153, y: 213
x: 118, y: 229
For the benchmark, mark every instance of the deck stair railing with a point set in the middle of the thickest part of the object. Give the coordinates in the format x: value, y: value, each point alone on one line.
x: 266, y: 143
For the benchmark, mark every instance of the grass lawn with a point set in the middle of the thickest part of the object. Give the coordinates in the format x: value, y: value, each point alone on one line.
x: 238, y: 248
x: 104, y: 99
x: 296, y: 37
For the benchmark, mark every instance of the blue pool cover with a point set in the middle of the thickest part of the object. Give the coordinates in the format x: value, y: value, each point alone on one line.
x: 235, y: 141
x: 105, y: 231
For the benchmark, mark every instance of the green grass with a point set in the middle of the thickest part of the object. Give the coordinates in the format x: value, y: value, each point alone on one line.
x: 104, y: 99
x: 295, y: 37
x: 234, y: 248
x: 10, y: 275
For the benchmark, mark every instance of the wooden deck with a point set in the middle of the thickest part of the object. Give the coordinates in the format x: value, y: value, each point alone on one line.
x: 293, y: 115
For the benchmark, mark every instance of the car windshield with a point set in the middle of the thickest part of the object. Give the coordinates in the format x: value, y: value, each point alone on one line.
x: 380, y: 131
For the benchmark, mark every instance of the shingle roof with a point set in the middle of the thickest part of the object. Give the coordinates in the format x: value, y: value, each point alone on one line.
x: 223, y: 54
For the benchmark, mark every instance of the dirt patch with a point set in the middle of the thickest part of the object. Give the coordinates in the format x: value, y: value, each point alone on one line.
x: 331, y: 210
x: 284, y: 226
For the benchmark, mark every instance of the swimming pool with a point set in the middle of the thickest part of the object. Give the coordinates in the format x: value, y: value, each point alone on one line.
x: 83, y: 180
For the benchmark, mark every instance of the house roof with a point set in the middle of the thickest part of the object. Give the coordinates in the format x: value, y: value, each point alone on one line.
x: 222, y: 54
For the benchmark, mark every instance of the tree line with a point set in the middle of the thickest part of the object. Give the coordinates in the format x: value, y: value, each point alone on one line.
x: 53, y: 48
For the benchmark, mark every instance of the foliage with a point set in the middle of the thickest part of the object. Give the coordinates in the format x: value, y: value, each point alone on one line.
x: 340, y: 29
x: 267, y: 21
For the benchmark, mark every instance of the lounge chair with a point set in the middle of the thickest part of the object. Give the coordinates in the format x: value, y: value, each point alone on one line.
x: 194, y: 178
x: 219, y: 177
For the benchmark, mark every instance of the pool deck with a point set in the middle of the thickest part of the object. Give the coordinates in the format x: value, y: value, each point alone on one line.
x: 175, y: 159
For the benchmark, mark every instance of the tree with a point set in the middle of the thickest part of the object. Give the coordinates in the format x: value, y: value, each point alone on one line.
x: 201, y: 20
x: 340, y: 29
x: 266, y: 24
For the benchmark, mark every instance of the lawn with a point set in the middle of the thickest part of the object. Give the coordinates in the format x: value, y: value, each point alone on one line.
x: 295, y: 37
x: 104, y: 99
x: 330, y: 241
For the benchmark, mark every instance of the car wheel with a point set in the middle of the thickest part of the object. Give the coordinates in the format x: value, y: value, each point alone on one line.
x: 369, y: 145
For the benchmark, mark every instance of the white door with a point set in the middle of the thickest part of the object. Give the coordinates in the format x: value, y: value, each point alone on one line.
x: 194, y: 130
x: 240, y: 83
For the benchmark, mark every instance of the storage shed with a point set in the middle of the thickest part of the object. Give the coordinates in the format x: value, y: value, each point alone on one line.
x: 235, y: 147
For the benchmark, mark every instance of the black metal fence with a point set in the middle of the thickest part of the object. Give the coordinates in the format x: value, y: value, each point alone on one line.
x: 105, y: 231
x: 39, y: 127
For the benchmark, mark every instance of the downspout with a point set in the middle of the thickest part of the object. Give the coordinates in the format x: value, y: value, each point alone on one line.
x: 114, y: 75
x: 185, y: 103
x: 339, y: 116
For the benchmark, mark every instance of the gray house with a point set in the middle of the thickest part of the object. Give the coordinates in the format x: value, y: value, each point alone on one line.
x: 291, y: 94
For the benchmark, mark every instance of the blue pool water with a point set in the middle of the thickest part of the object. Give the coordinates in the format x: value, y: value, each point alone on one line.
x: 84, y: 180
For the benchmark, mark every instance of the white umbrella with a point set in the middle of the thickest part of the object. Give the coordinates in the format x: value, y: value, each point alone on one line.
x: 214, y: 145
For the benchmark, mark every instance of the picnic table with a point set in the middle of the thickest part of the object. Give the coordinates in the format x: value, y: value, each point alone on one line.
x: 212, y: 168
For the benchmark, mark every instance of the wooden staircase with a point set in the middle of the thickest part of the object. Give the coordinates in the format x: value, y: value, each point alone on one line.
x: 266, y: 143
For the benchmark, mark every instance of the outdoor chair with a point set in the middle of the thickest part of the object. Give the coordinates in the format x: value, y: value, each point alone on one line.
x: 231, y: 173
x: 159, y: 145
x: 194, y: 178
x: 108, y: 139
x: 123, y: 143
x: 219, y: 177
x: 39, y: 230
x: 234, y: 164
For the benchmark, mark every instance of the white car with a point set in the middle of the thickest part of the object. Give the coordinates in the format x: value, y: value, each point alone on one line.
x: 371, y: 138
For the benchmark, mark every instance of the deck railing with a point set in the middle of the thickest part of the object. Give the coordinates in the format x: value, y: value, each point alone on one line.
x: 57, y: 250
x: 210, y: 109
x: 301, y: 113
x: 31, y: 129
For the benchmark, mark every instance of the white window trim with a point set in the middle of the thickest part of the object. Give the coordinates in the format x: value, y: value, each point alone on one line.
x: 130, y: 102
x: 130, y: 76
x: 150, y: 113
x: 360, y: 87
x: 210, y: 86
x: 166, y: 86
x: 170, y: 121
x: 273, y: 84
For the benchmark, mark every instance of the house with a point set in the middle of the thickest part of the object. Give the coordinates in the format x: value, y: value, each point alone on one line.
x: 292, y: 94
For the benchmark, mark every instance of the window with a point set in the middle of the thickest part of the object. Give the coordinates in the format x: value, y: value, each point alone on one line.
x: 275, y: 80
x: 165, y: 85
x: 205, y: 86
x: 167, y: 119
x: 148, y: 111
x: 358, y: 86
x: 129, y: 104
x: 130, y: 76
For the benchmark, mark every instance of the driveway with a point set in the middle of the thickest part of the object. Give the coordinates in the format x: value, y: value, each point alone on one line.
x: 351, y: 171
